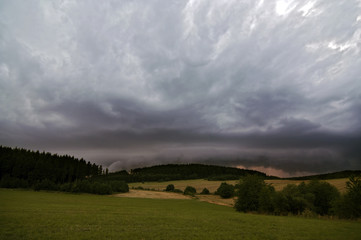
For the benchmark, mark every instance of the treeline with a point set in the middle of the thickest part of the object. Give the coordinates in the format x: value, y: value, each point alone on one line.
x: 172, y: 172
x: 334, y: 175
x: 307, y: 199
x: 21, y: 168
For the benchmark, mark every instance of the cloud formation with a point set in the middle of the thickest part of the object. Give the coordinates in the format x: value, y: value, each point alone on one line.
x: 131, y: 83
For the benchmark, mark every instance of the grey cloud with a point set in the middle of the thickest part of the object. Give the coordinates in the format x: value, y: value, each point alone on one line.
x: 139, y: 82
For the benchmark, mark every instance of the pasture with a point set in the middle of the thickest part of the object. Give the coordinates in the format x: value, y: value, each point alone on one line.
x: 27, y: 214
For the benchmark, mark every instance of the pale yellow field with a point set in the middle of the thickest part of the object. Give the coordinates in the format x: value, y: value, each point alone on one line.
x: 340, y: 184
x: 198, y: 184
x: 152, y: 194
x: 170, y: 195
x: 212, y: 186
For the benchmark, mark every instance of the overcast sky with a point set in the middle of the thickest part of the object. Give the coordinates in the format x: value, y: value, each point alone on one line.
x: 268, y: 85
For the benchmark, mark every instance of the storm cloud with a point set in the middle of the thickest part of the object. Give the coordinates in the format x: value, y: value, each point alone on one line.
x: 271, y: 85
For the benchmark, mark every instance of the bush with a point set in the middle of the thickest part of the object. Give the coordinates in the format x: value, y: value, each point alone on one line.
x: 318, y: 197
x: 119, y: 186
x: 190, y: 191
x: 170, y: 188
x: 82, y: 186
x: 248, y: 193
x: 225, y: 190
x: 66, y: 187
x: 101, y: 188
x: 205, y: 191
x: 324, y: 196
x: 349, y: 206
x: 96, y: 187
x: 177, y: 191
x: 45, y: 185
x: 292, y: 200
x: 12, y: 182
x: 266, y: 201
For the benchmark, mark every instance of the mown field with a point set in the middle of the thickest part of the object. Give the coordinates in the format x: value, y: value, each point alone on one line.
x: 51, y: 215
x: 212, y: 186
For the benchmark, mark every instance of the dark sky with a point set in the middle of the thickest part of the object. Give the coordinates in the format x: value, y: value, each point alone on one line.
x: 267, y: 85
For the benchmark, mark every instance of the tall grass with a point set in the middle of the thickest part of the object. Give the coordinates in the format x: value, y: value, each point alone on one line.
x: 52, y: 215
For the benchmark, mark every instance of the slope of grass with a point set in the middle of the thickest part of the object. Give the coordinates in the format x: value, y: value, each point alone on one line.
x: 47, y: 215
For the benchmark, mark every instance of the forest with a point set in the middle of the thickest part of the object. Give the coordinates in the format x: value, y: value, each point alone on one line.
x: 21, y: 168
x: 334, y: 175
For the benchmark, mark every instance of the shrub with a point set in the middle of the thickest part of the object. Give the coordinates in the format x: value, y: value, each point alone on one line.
x: 190, y: 191
x: 266, y: 199
x: 316, y: 197
x: 45, y: 185
x: 324, y: 196
x: 205, y: 191
x: 101, y: 188
x: 248, y: 193
x: 177, y: 191
x: 170, y: 188
x: 119, y: 186
x: 82, y: 186
x: 12, y: 182
x: 294, y: 201
x: 349, y: 206
x: 225, y: 190
x: 280, y: 204
x: 96, y: 187
x: 66, y: 187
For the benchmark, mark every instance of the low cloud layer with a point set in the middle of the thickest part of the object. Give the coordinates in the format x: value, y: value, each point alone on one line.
x: 257, y: 84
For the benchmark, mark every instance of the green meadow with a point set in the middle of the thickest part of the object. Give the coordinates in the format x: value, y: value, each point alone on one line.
x: 27, y: 214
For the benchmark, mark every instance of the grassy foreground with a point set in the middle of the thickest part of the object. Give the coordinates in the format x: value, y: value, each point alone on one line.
x: 46, y: 215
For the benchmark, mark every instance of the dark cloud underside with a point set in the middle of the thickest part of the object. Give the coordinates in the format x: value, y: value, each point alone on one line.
x: 272, y: 84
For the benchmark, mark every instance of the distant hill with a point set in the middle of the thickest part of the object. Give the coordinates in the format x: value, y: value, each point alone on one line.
x: 334, y: 175
x: 183, y: 171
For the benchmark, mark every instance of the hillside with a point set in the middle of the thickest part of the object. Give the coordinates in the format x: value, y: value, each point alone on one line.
x: 334, y: 175
x: 182, y: 172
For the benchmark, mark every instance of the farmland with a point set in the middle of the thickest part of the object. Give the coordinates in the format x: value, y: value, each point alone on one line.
x: 52, y: 215
x: 212, y: 186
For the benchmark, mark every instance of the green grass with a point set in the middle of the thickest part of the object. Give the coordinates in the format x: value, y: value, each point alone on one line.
x: 47, y: 215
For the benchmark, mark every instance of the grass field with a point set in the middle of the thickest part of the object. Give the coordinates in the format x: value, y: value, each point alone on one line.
x: 212, y: 186
x: 48, y: 215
